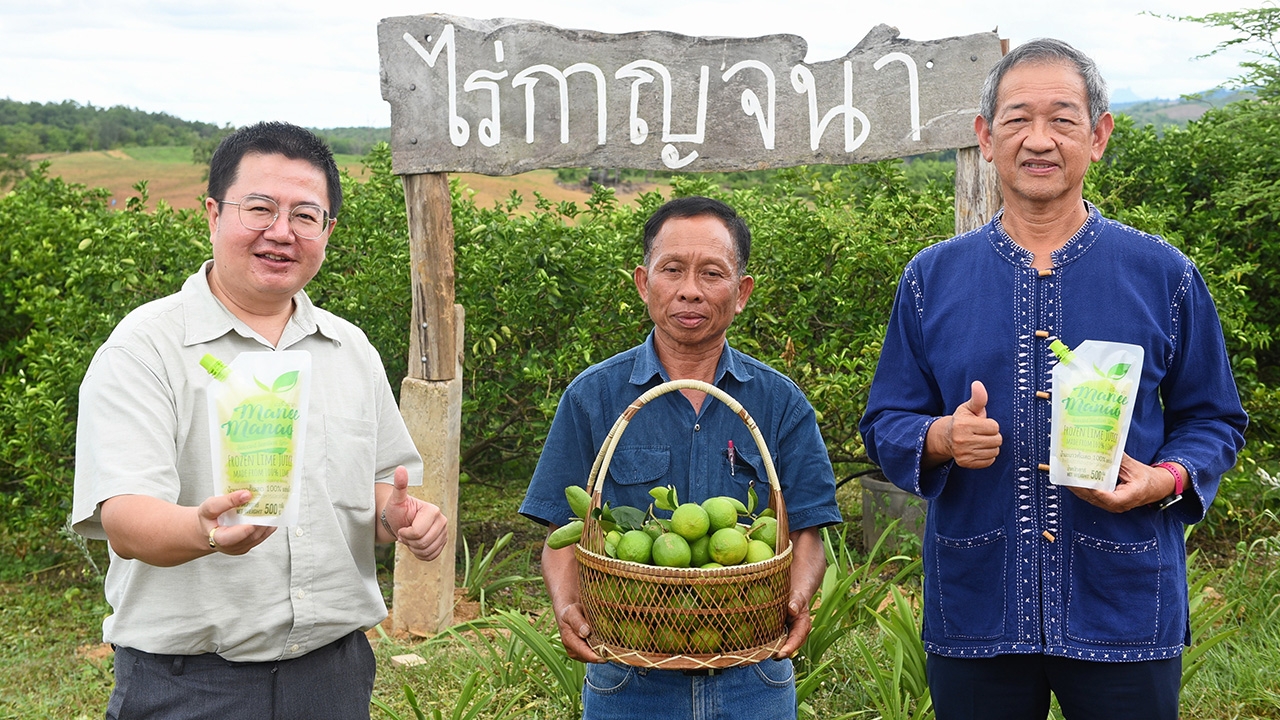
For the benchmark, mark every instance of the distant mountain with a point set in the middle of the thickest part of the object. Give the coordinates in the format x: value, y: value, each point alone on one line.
x: 353, y: 140
x: 1124, y: 96
x: 1163, y: 113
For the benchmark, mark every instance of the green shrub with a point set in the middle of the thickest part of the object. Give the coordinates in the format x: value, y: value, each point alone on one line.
x: 70, y: 270
x: 547, y: 290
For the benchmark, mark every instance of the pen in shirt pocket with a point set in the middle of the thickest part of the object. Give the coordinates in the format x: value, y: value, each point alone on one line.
x: 730, y: 453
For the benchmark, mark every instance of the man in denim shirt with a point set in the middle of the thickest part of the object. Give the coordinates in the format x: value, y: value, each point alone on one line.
x: 1033, y: 588
x: 694, y: 283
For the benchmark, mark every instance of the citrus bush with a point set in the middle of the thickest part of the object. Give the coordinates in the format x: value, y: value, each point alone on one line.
x: 70, y: 269
x: 547, y: 289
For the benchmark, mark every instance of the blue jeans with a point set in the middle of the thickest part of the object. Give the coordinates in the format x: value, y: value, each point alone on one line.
x: 620, y: 692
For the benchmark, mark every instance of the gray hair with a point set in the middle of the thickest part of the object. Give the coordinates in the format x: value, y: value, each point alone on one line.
x: 1047, y: 50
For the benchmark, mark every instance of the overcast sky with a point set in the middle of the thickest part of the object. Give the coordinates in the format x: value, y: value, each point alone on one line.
x: 315, y: 63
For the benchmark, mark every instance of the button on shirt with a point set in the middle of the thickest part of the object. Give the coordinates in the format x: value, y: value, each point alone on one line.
x: 667, y: 443
x: 1014, y: 564
x: 143, y: 429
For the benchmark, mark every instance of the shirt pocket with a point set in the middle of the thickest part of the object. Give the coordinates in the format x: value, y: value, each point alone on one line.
x: 971, y: 585
x: 633, y: 470
x: 350, y: 453
x: 746, y: 471
x: 1114, y: 591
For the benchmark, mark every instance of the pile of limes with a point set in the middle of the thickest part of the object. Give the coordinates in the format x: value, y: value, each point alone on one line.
x: 701, y: 535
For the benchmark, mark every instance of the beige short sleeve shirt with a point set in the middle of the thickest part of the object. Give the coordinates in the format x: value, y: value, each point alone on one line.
x: 143, y: 429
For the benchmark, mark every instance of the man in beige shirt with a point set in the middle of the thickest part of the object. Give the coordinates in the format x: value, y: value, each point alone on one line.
x: 246, y: 620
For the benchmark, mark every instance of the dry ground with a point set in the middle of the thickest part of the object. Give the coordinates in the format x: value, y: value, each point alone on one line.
x: 180, y: 184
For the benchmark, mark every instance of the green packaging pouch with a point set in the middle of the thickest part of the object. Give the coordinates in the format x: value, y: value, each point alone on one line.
x: 1094, y: 388
x: 257, y: 428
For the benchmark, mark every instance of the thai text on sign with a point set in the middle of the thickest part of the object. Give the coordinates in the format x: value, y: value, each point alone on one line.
x: 505, y: 96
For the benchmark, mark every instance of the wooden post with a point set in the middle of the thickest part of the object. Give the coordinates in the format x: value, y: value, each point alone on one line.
x: 977, y: 186
x: 977, y: 190
x: 431, y: 341
x: 431, y: 401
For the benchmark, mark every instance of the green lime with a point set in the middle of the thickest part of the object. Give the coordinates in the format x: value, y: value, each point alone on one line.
x: 740, y: 637
x: 669, y: 640
x: 728, y: 546
x: 670, y: 550
x: 683, y: 601
x: 635, y: 546
x: 700, y: 551
x: 757, y: 551
x: 759, y: 595
x: 603, y: 628
x: 653, y: 529
x: 633, y: 634
x: 710, y: 565
x: 636, y: 593
x: 611, y: 543
x: 704, y: 640
x: 721, y: 512
x: 690, y: 521
x: 765, y: 529
x: 714, y: 596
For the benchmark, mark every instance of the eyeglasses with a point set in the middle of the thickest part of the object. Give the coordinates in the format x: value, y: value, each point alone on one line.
x: 259, y: 213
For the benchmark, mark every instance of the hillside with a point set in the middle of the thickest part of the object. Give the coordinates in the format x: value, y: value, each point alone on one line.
x: 1164, y: 113
x: 172, y: 177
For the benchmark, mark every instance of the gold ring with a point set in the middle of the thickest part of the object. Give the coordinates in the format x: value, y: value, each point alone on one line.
x: 213, y: 543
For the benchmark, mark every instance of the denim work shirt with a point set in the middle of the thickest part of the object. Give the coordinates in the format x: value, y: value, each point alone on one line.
x: 1014, y: 564
x: 667, y: 443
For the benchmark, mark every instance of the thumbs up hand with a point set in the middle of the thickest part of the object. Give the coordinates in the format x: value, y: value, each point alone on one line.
x: 968, y: 436
x: 416, y: 523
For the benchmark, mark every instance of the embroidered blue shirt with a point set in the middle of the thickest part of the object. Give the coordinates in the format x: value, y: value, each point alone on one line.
x: 1014, y: 564
x: 666, y: 443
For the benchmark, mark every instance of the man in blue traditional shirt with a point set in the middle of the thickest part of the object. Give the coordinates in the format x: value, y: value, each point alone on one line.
x: 694, y: 283
x: 1033, y: 588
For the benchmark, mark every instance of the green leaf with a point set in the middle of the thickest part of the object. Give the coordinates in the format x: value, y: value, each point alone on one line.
x: 1118, y: 371
x: 664, y: 498
x: 285, y: 382
x: 628, y: 518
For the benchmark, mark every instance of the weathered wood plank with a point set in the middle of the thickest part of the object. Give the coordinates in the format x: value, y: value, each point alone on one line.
x: 503, y: 96
x: 431, y: 339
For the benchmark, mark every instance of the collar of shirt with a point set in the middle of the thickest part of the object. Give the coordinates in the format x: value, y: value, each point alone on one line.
x: 208, y: 319
x: 647, y: 364
x: 1077, y: 245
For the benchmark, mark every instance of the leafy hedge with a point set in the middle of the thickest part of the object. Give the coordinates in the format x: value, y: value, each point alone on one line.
x: 70, y: 269
x: 548, y: 291
x: 547, y: 287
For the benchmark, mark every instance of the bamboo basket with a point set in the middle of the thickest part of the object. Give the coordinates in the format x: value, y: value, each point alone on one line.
x: 683, y: 618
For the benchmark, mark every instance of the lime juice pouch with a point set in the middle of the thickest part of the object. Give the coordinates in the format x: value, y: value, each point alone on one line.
x: 1094, y: 387
x: 257, y: 425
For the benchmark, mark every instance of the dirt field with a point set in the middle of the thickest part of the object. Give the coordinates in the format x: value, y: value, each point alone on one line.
x: 172, y: 177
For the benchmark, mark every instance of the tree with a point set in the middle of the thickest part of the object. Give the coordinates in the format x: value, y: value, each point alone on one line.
x: 1213, y: 189
x: 1259, y: 31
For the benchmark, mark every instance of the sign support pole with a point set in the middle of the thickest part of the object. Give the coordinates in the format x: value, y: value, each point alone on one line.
x: 431, y: 401
x: 977, y: 185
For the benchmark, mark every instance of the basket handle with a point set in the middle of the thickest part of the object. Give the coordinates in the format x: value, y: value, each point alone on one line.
x: 600, y: 468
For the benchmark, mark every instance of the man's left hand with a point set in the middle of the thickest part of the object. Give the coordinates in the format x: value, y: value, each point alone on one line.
x: 416, y: 523
x: 1138, y: 484
x: 808, y: 564
x: 799, y: 622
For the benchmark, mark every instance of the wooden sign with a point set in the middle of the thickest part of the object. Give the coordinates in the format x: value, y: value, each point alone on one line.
x: 501, y: 97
